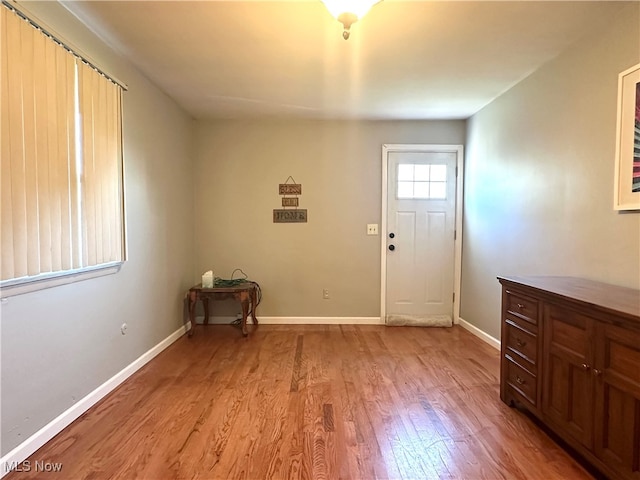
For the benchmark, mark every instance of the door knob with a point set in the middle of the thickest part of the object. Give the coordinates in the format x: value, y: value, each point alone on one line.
x: 392, y: 247
x: 392, y: 235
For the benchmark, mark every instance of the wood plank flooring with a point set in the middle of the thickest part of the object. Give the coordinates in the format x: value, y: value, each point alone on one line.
x: 310, y: 402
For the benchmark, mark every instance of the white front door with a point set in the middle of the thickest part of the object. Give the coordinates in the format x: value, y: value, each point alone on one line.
x: 420, y: 229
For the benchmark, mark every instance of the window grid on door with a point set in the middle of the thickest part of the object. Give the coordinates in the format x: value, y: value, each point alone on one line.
x: 424, y: 182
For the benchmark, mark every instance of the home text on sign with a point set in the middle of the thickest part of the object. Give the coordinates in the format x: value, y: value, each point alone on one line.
x: 290, y: 216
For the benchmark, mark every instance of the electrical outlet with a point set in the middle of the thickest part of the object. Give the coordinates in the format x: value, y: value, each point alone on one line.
x: 372, y: 228
x: 325, y: 294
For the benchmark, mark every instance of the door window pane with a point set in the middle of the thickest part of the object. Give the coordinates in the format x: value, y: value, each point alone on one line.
x: 405, y: 172
x: 405, y: 189
x: 438, y: 173
x: 422, y: 173
x: 438, y: 190
x: 421, y: 190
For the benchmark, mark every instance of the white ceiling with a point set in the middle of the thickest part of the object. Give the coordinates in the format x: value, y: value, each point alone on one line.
x: 404, y: 60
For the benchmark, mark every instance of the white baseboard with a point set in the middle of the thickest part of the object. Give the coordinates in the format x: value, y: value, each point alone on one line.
x: 494, y: 342
x: 298, y: 320
x: 55, y: 426
x: 320, y: 320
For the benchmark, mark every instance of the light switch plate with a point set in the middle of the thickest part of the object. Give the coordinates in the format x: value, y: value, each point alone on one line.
x: 372, y: 228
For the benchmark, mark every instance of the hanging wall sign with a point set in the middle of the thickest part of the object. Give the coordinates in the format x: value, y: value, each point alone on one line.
x: 290, y: 192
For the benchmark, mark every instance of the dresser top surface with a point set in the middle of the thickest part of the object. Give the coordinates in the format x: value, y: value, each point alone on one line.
x: 606, y: 297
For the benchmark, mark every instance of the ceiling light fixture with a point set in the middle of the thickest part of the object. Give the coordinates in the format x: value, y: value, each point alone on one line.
x: 348, y: 12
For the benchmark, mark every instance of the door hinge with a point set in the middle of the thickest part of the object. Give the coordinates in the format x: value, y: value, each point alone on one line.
x: 454, y: 297
x: 455, y: 234
x: 456, y: 171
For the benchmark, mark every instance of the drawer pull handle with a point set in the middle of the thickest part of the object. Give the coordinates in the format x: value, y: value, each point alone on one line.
x: 520, y: 381
x: 597, y: 372
x: 585, y: 367
x: 520, y: 343
x: 520, y: 306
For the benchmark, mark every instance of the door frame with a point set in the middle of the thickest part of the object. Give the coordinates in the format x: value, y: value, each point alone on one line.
x: 457, y: 243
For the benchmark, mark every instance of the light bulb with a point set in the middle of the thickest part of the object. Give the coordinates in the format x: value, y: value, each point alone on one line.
x: 358, y: 8
x: 348, y: 12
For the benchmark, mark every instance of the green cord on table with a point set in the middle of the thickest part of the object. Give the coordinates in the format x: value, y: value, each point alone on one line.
x: 220, y: 282
x: 232, y: 282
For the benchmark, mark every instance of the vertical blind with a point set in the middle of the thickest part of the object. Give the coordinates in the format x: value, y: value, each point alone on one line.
x: 62, y: 191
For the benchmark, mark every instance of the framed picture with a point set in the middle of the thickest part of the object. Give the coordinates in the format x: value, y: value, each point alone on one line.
x: 627, y: 177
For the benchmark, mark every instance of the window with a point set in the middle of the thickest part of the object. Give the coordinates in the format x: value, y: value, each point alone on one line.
x: 62, y: 185
x: 417, y: 181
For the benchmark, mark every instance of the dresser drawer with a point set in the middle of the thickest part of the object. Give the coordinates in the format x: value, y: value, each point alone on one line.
x: 522, y: 306
x: 520, y: 380
x: 521, y: 342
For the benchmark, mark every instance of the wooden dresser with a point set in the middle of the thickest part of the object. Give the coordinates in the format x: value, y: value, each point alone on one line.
x: 571, y: 356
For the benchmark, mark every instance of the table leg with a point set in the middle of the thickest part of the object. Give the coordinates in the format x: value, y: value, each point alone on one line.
x: 244, y: 301
x: 193, y: 297
x: 254, y: 304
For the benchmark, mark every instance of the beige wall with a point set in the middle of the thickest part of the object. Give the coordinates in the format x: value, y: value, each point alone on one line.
x: 60, y: 344
x: 539, y: 177
x: 239, y: 166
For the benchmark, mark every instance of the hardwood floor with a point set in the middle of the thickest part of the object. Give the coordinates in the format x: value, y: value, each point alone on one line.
x: 311, y: 402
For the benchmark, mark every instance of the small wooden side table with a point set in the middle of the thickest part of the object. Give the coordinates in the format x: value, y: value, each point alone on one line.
x: 245, y: 293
